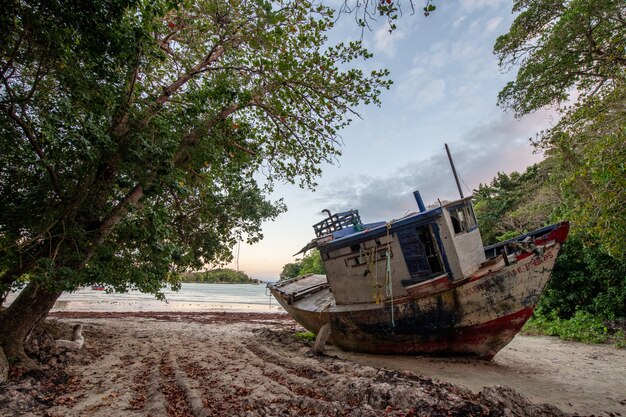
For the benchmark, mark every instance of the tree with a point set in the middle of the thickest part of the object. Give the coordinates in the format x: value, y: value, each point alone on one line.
x: 567, y: 47
x: 560, y: 45
x: 591, y: 142
x: 585, y: 278
x: 309, y: 264
x: 513, y: 204
x: 135, y: 135
x: 312, y: 263
x: 290, y: 270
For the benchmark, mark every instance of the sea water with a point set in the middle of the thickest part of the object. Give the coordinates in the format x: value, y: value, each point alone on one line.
x: 190, y: 297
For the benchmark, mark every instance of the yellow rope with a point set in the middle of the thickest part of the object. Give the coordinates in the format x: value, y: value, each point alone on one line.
x: 372, y: 266
x: 389, y: 289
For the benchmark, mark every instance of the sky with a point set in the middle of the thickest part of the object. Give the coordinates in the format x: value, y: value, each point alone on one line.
x: 446, y: 82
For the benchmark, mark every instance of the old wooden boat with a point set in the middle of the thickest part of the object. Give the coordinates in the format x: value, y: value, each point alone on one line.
x: 421, y: 284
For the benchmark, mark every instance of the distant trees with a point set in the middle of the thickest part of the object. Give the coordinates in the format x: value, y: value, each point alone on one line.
x: 218, y: 276
x: 309, y: 264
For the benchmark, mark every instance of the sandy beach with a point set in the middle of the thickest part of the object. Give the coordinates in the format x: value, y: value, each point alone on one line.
x: 223, y: 364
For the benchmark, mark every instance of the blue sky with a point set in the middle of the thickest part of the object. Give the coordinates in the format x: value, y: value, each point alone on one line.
x: 446, y: 81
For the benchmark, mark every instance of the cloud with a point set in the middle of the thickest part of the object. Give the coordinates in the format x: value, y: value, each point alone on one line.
x: 498, y: 146
x: 447, y: 71
x: 385, y: 42
x: 473, y: 5
x: 493, y: 23
x: 421, y: 88
x: 458, y: 21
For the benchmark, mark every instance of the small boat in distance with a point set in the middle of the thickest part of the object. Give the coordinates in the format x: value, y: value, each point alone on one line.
x: 97, y: 287
x: 420, y: 284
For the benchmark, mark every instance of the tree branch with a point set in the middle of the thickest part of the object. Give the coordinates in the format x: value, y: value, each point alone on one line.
x: 117, y: 213
x: 36, y: 148
x: 215, y: 53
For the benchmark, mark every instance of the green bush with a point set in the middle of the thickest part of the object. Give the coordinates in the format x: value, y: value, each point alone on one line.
x: 581, y: 327
x: 585, y: 278
x: 306, y: 336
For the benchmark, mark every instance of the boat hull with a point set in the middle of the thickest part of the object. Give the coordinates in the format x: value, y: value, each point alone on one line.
x: 477, y: 315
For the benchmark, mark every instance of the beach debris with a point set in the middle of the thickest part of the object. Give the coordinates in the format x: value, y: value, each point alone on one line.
x: 511, y: 402
x: 77, y: 342
x: 4, y: 367
x: 35, y: 391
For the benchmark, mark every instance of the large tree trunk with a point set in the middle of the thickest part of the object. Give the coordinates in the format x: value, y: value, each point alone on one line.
x: 9, y: 278
x: 19, y: 319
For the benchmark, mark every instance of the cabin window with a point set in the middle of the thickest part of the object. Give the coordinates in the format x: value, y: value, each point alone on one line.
x: 430, y: 247
x: 463, y: 219
x: 420, y: 251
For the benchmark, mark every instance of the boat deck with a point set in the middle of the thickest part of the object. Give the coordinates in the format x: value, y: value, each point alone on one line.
x: 312, y: 293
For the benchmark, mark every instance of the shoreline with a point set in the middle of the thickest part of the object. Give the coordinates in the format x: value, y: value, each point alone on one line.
x: 193, y: 297
x: 203, y: 317
x: 173, y: 307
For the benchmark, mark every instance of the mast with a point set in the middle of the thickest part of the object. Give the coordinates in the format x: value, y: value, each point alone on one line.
x: 456, y: 176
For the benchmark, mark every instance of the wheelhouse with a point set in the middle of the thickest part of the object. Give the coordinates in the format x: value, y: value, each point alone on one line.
x: 441, y: 243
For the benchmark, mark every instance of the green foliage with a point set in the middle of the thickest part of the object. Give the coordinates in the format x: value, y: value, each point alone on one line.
x: 306, y: 336
x: 217, y: 276
x: 141, y: 138
x: 561, y: 45
x: 581, y: 327
x: 585, y: 279
x: 312, y: 263
x: 366, y: 12
x: 290, y: 270
x: 309, y: 264
x: 566, y: 46
x: 516, y: 203
x: 591, y: 141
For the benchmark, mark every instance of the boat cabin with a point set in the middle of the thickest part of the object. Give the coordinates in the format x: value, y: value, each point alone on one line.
x: 396, y: 257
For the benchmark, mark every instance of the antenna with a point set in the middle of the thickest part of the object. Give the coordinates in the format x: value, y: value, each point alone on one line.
x: 456, y: 176
x: 238, y: 247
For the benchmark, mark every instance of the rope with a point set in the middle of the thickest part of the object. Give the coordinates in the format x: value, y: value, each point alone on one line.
x: 268, y: 295
x: 389, y: 289
x: 372, y: 269
x: 326, y: 308
x: 378, y: 297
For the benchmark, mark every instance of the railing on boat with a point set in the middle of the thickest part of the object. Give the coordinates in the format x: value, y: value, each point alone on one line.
x: 494, y: 250
x: 337, y: 221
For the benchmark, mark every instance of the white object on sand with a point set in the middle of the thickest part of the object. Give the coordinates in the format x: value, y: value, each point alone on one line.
x: 77, y: 340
